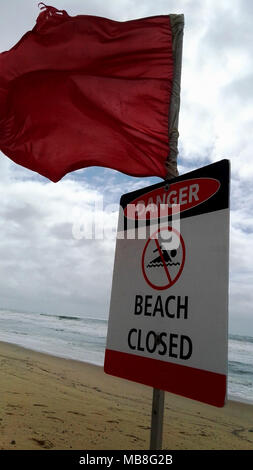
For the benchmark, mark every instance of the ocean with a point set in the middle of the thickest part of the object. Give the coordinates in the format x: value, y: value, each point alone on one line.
x: 83, y: 338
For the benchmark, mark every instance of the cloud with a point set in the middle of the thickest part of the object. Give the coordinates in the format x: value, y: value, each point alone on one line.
x: 43, y: 267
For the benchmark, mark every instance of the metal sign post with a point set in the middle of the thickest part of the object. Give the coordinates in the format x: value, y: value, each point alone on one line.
x: 156, y: 434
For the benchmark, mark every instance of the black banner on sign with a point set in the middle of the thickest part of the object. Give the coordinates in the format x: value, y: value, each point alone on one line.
x: 200, y: 191
x: 117, y: 459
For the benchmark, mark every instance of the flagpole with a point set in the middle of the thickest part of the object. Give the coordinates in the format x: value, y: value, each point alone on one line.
x: 177, y: 26
x: 156, y: 435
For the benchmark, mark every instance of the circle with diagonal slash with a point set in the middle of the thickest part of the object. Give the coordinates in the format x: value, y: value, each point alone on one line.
x: 162, y: 267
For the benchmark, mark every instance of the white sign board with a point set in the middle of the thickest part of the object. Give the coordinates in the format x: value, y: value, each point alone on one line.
x: 168, y: 323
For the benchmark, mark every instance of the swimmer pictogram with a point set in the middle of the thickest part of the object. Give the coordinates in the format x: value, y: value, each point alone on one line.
x: 161, y: 266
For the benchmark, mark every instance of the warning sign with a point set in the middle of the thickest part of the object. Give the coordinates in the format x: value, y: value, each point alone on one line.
x: 168, y: 323
x: 161, y: 266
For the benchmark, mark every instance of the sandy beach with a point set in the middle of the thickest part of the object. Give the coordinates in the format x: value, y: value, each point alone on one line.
x: 52, y: 403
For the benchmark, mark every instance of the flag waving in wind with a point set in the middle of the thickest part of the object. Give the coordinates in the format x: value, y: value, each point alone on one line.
x: 88, y: 91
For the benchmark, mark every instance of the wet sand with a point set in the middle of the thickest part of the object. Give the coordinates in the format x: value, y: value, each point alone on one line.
x: 52, y: 403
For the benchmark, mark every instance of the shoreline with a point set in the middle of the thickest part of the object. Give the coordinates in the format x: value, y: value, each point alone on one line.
x: 59, y: 356
x: 49, y: 402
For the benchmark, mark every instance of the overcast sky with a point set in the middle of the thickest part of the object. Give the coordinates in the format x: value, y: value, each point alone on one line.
x: 43, y: 267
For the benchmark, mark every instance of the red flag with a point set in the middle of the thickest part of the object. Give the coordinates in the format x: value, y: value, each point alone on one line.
x: 85, y: 90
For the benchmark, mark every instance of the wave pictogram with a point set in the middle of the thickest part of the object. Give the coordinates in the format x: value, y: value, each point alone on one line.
x: 158, y: 264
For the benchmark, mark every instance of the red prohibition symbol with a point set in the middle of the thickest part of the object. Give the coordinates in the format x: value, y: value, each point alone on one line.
x: 165, y: 269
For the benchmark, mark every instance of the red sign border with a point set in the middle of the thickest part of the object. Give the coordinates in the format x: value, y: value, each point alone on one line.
x: 190, y: 382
